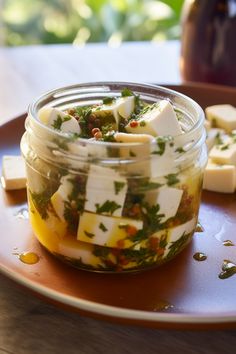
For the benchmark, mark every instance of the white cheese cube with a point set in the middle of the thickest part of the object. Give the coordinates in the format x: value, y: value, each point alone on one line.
x: 139, y: 154
x: 57, y: 119
x: 121, y: 107
x: 224, y: 153
x: 59, y: 198
x: 177, y: 232
x: 133, y: 138
x: 222, y: 116
x: 107, y: 230
x: 13, y: 172
x: 159, y: 120
x: 169, y: 200
x: 219, y: 178
x: 105, y: 185
x: 213, y: 135
x: 125, y: 106
x: 75, y: 249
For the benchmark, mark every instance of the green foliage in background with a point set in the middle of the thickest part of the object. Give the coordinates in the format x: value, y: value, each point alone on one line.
x: 80, y: 21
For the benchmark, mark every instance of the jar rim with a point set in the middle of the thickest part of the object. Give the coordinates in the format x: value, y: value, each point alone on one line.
x: 62, y: 94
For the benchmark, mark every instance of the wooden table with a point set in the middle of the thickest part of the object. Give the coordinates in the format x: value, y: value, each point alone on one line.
x: 27, y: 324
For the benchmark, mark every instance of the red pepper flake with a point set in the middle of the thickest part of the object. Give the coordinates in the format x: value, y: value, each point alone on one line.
x: 115, y: 251
x: 154, y: 243
x: 160, y: 251
x: 131, y: 230
x: 133, y: 124
x: 120, y: 243
x: 123, y: 260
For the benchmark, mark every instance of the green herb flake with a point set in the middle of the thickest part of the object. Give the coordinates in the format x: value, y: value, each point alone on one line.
x: 172, y: 179
x: 142, y: 123
x: 108, y: 100
x: 57, y: 123
x: 89, y: 234
x: 126, y: 92
x: 107, y: 207
x: 218, y: 139
x: 118, y: 186
x: 180, y: 150
x: 132, y: 154
x: 225, y: 147
x: 102, y: 227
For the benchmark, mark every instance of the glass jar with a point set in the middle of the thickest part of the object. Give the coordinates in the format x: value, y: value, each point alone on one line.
x: 208, y: 52
x: 111, y: 207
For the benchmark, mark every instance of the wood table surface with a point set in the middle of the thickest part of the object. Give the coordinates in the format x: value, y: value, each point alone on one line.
x: 27, y: 324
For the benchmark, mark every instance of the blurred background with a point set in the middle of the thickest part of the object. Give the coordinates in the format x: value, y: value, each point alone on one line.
x: 25, y: 22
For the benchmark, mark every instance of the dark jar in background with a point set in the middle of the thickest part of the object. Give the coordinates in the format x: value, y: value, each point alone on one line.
x: 208, y: 43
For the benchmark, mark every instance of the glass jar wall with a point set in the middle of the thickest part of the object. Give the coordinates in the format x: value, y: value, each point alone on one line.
x: 109, y: 206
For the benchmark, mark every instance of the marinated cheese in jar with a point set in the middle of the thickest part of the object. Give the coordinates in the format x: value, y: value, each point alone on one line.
x: 114, y: 174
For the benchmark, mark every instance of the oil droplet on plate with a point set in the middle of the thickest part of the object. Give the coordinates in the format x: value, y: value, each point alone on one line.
x: 228, y: 243
x: 199, y: 256
x: 199, y: 227
x: 228, y: 269
x: 28, y: 257
x: 22, y: 214
x: 162, y: 305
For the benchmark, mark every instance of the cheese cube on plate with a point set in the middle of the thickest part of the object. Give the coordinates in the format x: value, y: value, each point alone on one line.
x: 59, y: 120
x: 105, y: 191
x: 219, y: 178
x: 214, y: 135
x: 13, y: 172
x: 222, y: 116
x: 224, y: 153
x: 160, y: 119
x: 107, y: 230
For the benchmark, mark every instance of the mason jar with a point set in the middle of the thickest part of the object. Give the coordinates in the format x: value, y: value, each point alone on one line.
x: 114, y: 206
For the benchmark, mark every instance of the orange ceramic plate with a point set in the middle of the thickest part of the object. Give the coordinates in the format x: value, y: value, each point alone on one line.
x: 184, y: 293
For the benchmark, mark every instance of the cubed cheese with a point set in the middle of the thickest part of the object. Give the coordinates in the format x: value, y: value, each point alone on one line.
x: 13, y: 172
x: 177, y: 232
x: 74, y: 249
x: 224, y: 153
x: 214, y: 135
x: 107, y: 230
x: 219, y: 178
x: 104, y: 186
x: 222, y: 116
x: 138, y: 152
x: 59, y: 120
x: 167, y: 198
x: 59, y: 198
x: 158, y: 120
x: 122, y: 106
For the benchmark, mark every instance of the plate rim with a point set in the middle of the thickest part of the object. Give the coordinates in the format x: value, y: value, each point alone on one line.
x: 117, y: 312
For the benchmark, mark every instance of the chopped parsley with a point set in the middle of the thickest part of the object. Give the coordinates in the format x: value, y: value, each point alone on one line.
x: 118, y: 186
x: 102, y: 227
x: 108, y: 207
x: 42, y: 202
x: 172, y: 179
x: 57, y: 123
x: 108, y: 100
x: 218, y: 139
x: 126, y: 92
x: 161, y: 143
x: 89, y: 234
